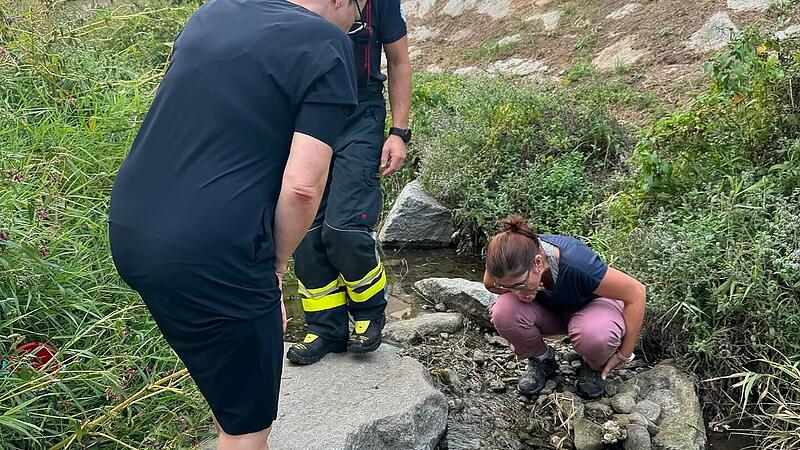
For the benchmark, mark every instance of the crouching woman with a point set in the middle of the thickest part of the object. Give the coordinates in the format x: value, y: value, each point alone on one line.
x: 551, y: 285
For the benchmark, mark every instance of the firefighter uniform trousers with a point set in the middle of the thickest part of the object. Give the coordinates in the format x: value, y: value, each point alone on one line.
x: 337, y: 263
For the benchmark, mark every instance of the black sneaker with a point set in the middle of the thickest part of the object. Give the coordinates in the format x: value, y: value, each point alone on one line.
x: 590, y: 386
x: 366, y: 336
x: 313, y: 348
x: 537, y: 373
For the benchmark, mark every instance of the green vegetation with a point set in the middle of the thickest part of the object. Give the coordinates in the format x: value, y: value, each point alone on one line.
x: 702, y: 204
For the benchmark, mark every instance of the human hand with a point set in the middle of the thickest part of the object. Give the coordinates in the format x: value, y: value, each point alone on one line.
x: 393, y: 155
x: 615, y: 360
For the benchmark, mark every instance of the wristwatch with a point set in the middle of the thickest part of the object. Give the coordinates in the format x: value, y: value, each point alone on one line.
x: 404, y: 133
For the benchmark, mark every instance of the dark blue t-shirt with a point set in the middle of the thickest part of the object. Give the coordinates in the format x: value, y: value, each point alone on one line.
x: 205, y: 170
x: 580, y: 271
x: 388, y: 25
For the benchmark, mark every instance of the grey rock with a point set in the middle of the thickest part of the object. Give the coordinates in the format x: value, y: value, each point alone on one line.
x: 550, y: 19
x: 788, y: 32
x: 417, y: 220
x: 380, y: 401
x: 639, y: 419
x: 497, y: 386
x: 623, y: 403
x: 409, y: 331
x: 626, y: 9
x: 468, y: 297
x: 749, y: 5
x: 444, y: 335
x: 517, y: 67
x: 418, y: 8
x: 479, y: 357
x: 548, y: 388
x: 681, y: 426
x: 508, y: 40
x: 598, y: 410
x: 651, y: 410
x: 716, y: 33
x: 440, y: 307
x: 588, y: 435
x: 638, y: 438
x: 502, y: 424
x: 575, y: 364
x: 498, y: 341
x: 612, y: 432
x: 497, y: 9
x: 611, y: 389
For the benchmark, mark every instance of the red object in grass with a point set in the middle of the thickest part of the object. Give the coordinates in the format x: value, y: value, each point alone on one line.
x: 42, y: 354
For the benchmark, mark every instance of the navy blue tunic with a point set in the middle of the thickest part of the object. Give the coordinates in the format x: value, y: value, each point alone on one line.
x: 193, y: 205
x: 388, y: 25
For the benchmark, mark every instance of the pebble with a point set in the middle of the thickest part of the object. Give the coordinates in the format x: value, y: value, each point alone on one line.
x: 576, y: 364
x: 479, y: 357
x: 498, y: 341
x: 650, y: 410
x: 511, y: 365
x: 549, y: 387
x: 511, y: 380
x: 571, y: 355
x: 598, y: 410
x: 497, y: 386
x: 473, y: 411
x: 427, y: 307
x: 440, y: 307
x: 623, y: 403
x: 502, y: 424
x: 568, y: 371
x: 611, y: 389
x: 444, y: 335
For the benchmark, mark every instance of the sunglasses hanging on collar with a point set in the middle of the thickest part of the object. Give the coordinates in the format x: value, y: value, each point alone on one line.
x: 360, y: 31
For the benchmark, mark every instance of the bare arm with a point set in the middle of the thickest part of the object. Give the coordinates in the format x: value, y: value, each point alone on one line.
x: 398, y: 66
x: 301, y: 191
x: 621, y: 286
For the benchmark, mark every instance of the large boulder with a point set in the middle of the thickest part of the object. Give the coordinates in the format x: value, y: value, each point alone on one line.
x: 417, y: 220
x: 681, y: 419
x: 408, y: 331
x: 469, y: 297
x: 716, y: 33
x: 345, y: 402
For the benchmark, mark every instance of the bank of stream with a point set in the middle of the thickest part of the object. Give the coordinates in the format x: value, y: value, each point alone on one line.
x: 476, y: 368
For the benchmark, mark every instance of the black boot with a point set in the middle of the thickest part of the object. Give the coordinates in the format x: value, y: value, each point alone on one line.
x: 590, y: 386
x: 539, y: 369
x: 366, y: 336
x: 313, y: 348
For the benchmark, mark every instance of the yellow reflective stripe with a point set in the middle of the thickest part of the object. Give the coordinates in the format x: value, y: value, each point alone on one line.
x: 371, y: 276
x: 366, y: 295
x: 316, y: 292
x: 325, y: 302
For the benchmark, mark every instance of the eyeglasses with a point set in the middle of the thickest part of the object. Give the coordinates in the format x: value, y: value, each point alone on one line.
x: 519, y: 286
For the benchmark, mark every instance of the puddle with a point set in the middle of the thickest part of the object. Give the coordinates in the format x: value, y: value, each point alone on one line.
x: 403, y: 268
x: 729, y: 441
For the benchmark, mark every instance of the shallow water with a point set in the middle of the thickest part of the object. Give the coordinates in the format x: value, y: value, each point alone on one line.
x: 403, y: 269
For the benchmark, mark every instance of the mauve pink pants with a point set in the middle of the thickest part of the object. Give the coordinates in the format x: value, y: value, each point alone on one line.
x: 596, y: 330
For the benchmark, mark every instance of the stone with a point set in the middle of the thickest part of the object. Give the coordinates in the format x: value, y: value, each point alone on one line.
x: 467, y: 71
x: 749, y: 5
x: 551, y: 19
x: 612, y: 432
x: 460, y: 35
x: 417, y: 220
x: 509, y: 40
x: 638, y: 438
x: 498, y: 341
x: 417, y: 8
x: 621, y: 52
x: 625, y: 10
x: 575, y: 364
x: 639, y: 419
x: 409, y: 331
x: 495, y: 8
x: 652, y: 411
x: 414, y: 52
x: 517, y: 67
x: 623, y: 403
x: 440, y: 307
x: 468, y: 297
x: 422, y: 33
x: 598, y: 410
x: 497, y: 386
x: 381, y: 400
x: 681, y: 425
x: 450, y: 378
x: 716, y: 33
x: 788, y: 32
x: 588, y: 435
x: 479, y: 357
x: 502, y: 424
x: 549, y: 387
